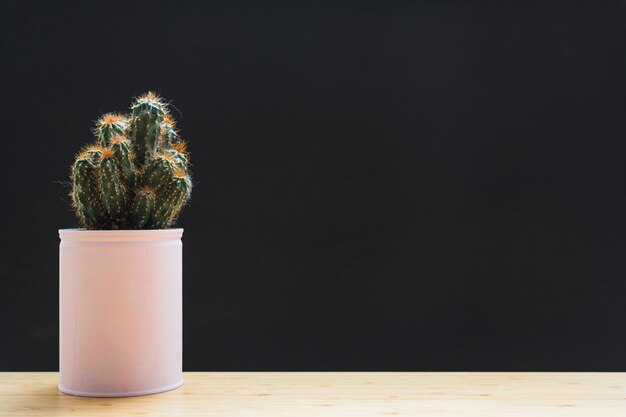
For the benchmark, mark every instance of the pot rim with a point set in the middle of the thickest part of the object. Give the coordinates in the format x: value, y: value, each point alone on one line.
x: 146, y: 235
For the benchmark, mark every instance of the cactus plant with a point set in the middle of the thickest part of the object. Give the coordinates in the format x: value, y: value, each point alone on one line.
x: 136, y: 174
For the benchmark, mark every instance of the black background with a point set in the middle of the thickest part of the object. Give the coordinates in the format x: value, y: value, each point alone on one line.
x: 379, y: 185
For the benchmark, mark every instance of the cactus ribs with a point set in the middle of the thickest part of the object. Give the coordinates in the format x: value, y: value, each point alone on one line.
x: 136, y: 175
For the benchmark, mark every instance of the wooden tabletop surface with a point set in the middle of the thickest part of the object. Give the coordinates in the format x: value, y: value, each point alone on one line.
x: 361, y: 394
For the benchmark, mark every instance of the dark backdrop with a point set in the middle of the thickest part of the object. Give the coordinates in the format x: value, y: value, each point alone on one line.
x: 379, y: 185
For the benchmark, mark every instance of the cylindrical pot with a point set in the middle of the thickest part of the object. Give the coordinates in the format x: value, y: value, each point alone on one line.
x: 120, y: 312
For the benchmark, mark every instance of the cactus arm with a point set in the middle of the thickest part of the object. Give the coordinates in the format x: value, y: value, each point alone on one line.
x: 109, y: 126
x: 143, y: 207
x: 123, y: 154
x: 85, y: 194
x: 178, y: 158
x: 112, y: 189
x: 93, y: 152
x: 144, y: 134
x: 181, y: 189
x: 158, y: 173
x: 144, y: 129
x: 171, y: 201
x: 169, y: 134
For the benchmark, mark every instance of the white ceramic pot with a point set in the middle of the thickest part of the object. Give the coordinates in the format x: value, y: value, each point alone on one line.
x: 120, y: 312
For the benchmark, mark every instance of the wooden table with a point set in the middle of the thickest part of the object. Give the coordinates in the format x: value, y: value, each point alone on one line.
x: 301, y: 394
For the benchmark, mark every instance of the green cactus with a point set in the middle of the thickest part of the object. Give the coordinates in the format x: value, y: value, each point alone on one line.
x: 136, y: 176
x: 122, y: 150
x: 169, y: 135
x: 143, y: 207
x: 177, y: 157
x: 93, y: 152
x: 171, y: 202
x: 85, y: 193
x: 144, y: 132
x: 158, y: 172
x: 109, y: 126
x: 112, y: 189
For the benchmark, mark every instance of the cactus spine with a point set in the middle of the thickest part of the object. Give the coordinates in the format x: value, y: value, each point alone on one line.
x: 136, y: 175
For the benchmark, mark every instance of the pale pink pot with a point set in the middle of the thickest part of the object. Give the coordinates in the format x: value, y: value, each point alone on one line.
x: 120, y: 312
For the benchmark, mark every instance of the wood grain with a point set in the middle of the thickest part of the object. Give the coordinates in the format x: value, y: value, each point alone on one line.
x: 300, y: 394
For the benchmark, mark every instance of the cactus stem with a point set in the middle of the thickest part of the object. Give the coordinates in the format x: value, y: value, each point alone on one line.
x: 109, y: 126
x: 136, y: 174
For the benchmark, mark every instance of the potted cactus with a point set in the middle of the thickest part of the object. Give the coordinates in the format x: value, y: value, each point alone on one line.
x: 121, y: 271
